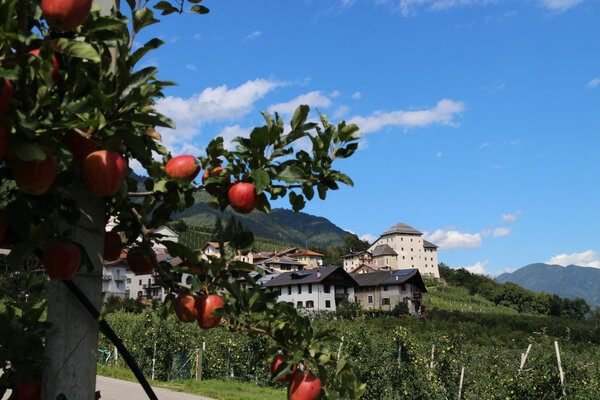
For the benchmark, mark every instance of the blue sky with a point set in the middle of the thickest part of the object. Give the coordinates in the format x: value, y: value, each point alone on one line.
x: 480, y: 118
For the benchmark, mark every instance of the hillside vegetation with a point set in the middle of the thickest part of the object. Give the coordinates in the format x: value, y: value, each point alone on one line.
x: 301, y: 229
x: 571, y: 281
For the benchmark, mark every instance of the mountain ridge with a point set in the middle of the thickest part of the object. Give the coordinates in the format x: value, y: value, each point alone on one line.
x: 571, y: 281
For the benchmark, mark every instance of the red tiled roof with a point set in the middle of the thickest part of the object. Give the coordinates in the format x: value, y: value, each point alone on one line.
x: 306, y: 253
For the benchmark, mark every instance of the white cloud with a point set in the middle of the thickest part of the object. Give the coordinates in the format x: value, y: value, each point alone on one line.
x: 502, y: 271
x: 449, y: 239
x: 477, y: 268
x: 253, y: 35
x: 438, y: 154
x: 487, y: 231
x: 314, y: 99
x: 584, y: 259
x: 484, y: 145
x: 560, y: 5
x: 192, y: 67
x: 197, y: 36
x: 212, y: 105
x: 593, y: 83
x: 334, y: 94
x: 356, y: 95
x: 410, y: 7
x: 511, y: 217
x: 443, y: 113
x: 340, y: 112
x: 231, y: 132
x: 500, y: 232
x: 368, y: 237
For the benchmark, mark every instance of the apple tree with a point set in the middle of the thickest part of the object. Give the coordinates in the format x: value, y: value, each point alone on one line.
x: 76, y: 108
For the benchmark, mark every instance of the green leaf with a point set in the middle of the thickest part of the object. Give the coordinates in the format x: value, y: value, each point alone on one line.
x: 260, y: 179
x: 263, y: 203
x: 260, y: 136
x: 199, y: 10
x: 141, y: 52
x: 142, y: 18
x: 76, y: 48
x: 166, y: 7
x: 297, y: 201
x: 300, y: 116
x: 291, y: 173
x: 27, y: 151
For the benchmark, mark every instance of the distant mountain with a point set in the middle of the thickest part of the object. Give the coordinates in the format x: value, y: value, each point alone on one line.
x: 285, y: 225
x: 571, y: 281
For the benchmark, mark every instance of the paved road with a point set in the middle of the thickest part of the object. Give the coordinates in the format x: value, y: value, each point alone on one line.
x: 115, y: 389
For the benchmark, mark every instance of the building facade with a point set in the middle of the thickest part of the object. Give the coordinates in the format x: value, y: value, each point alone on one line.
x: 411, y: 250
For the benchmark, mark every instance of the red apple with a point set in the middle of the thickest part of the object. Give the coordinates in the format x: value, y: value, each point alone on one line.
x: 62, y: 261
x: 28, y: 390
x: 214, y: 173
x: 185, y: 308
x: 2, y: 224
x: 205, y: 306
x: 140, y: 260
x: 243, y: 197
x: 79, y: 146
x: 5, y: 95
x: 277, y: 361
x: 35, y: 176
x: 104, y: 172
x: 183, y: 167
x: 112, y: 246
x: 4, y: 138
x: 55, y: 65
x: 66, y: 15
x: 304, y: 387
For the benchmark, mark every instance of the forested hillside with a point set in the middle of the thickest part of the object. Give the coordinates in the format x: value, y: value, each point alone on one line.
x: 301, y: 229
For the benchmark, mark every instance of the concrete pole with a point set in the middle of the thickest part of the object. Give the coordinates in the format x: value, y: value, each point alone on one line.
x: 72, y: 341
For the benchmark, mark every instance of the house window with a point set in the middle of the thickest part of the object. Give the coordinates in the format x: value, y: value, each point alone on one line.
x: 385, y: 301
x: 128, y: 280
x: 118, y: 284
x: 402, y: 239
x: 327, y: 303
x: 411, y: 258
x: 140, y: 282
x: 309, y: 288
x: 299, y: 289
x: 299, y: 304
x: 385, y: 288
x: 290, y: 289
x: 386, y: 261
x: 403, y: 257
x: 310, y: 304
x: 403, y: 286
x: 370, y: 299
x: 140, y: 293
x: 411, y: 239
x: 326, y: 288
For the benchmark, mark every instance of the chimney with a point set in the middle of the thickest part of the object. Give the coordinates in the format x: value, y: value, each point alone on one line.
x: 318, y: 274
x: 396, y: 277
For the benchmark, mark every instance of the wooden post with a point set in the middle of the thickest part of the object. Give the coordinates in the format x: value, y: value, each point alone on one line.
x: 153, y: 360
x: 560, y: 371
x: 432, y: 351
x: 524, y: 359
x: 202, y: 357
x: 197, y: 358
x: 462, y: 376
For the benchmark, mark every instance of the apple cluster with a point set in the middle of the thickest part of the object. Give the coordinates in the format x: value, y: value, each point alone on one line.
x: 191, y: 308
x: 302, y: 385
x: 242, y: 195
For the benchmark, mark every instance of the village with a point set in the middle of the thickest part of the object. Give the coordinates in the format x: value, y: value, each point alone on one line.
x: 390, y: 272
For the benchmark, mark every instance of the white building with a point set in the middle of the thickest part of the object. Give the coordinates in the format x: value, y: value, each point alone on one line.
x: 402, y: 247
x: 114, y: 279
x: 318, y: 289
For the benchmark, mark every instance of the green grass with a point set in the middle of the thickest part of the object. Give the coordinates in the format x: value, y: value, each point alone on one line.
x: 451, y: 298
x: 216, y: 389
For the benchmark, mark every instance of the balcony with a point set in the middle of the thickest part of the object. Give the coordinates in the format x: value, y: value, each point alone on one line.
x: 417, y: 295
x: 106, y: 277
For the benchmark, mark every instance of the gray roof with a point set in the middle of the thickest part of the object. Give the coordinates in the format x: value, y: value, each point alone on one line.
x: 429, y: 244
x: 402, y: 228
x: 383, y: 250
x: 393, y: 277
x: 332, y: 274
x: 280, y: 260
x: 354, y: 254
